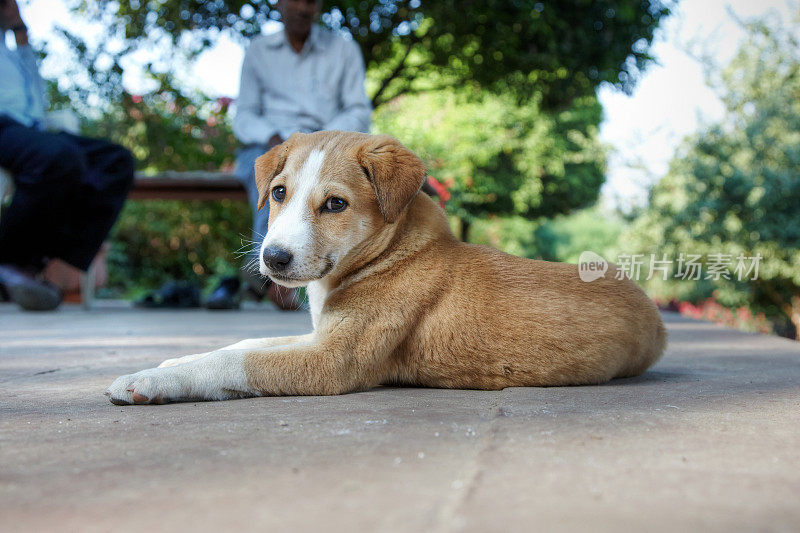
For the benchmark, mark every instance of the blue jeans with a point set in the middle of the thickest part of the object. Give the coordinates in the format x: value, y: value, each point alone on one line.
x: 245, y: 173
x: 68, y: 193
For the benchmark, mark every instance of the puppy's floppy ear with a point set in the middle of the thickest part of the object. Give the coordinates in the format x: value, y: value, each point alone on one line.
x: 268, y: 166
x: 395, y: 172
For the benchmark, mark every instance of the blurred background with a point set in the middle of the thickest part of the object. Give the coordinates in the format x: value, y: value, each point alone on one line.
x: 620, y: 127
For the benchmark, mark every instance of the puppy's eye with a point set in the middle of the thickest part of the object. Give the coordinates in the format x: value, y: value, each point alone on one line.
x: 334, y: 205
x: 279, y: 193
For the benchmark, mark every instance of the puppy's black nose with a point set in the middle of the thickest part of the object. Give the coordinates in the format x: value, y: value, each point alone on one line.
x: 276, y: 258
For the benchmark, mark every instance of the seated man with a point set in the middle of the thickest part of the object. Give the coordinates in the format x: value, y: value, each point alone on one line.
x: 68, y: 189
x: 304, y: 78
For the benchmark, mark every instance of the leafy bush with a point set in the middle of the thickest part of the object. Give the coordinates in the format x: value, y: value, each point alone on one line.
x: 562, y: 238
x: 159, y: 240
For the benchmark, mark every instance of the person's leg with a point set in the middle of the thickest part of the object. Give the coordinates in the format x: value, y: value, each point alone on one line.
x: 227, y: 294
x: 245, y: 173
x: 102, y: 191
x: 47, y: 170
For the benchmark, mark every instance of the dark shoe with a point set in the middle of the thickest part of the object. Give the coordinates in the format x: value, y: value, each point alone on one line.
x: 226, y: 295
x: 28, y: 292
x: 173, y: 294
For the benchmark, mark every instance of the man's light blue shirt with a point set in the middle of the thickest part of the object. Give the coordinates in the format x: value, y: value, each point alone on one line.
x: 282, y: 91
x: 22, y: 96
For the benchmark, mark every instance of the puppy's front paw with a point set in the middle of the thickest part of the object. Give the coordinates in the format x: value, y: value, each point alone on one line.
x: 148, y: 386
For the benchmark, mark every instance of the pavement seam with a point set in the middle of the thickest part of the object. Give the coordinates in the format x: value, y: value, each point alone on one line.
x: 450, y: 515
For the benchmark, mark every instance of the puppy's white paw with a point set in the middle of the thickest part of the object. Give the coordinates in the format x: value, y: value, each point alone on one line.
x: 153, y: 385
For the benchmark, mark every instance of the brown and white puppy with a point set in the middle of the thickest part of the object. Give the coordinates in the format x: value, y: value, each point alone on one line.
x: 396, y: 299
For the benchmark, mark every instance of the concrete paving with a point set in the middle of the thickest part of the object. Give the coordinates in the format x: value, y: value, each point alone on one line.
x: 709, y: 439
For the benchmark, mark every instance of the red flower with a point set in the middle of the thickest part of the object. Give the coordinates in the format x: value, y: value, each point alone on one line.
x: 440, y: 189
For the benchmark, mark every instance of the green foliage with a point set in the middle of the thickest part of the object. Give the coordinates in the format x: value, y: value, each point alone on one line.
x: 562, y: 238
x: 734, y: 188
x: 498, y: 158
x: 557, y: 50
x: 167, y: 128
x: 159, y: 240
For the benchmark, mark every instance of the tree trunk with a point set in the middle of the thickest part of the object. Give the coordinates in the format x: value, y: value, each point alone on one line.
x: 793, y: 310
x: 465, y: 225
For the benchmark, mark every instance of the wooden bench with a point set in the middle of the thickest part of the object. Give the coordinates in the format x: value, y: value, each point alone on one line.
x: 201, y: 185
x: 190, y: 185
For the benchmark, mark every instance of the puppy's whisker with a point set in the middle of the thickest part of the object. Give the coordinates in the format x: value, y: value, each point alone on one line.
x: 248, y: 246
x: 244, y: 253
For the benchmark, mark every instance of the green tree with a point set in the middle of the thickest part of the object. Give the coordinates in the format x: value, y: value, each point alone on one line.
x: 557, y: 50
x: 498, y: 158
x: 167, y: 128
x: 533, y: 66
x: 735, y: 187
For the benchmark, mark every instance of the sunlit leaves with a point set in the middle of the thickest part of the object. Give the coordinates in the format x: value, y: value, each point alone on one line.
x: 735, y: 187
x: 558, y: 50
x: 500, y: 158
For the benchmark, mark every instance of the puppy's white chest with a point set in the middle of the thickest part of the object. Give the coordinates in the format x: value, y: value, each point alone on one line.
x: 317, y: 293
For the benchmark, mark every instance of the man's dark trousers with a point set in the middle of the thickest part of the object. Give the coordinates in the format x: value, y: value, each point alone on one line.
x: 68, y: 193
